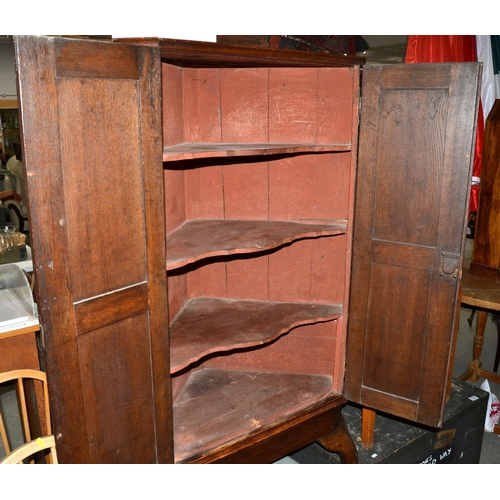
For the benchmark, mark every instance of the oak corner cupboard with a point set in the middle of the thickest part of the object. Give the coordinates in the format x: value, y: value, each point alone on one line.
x: 209, y: 290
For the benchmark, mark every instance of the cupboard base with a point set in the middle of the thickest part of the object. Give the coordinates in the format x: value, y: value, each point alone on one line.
x: 320, y: 419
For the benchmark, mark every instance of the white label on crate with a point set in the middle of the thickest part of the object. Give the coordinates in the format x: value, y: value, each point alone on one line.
x: 440, y: 457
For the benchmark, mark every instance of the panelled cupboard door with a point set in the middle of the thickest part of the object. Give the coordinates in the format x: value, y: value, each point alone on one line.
x: 91, y: 124
x: 417, y: 131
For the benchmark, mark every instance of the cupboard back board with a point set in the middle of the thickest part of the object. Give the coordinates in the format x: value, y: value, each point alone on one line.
x: 261, y: 161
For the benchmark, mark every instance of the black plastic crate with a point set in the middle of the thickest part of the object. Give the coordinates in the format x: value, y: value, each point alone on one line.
x: 398, y: 441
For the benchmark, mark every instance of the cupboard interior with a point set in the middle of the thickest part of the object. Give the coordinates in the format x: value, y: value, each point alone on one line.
x: 258, y: 172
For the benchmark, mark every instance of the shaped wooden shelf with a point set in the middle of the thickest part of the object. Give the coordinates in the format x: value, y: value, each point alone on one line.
x: 237, y: 404
x: 198, y: 239
x: 207, y: 325
x: 187, y: 151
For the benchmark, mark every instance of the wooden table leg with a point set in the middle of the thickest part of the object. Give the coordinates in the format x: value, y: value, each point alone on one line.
x: 367, y: 428
x: 475, y: 363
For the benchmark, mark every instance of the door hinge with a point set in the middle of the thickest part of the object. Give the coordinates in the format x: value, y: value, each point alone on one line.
x: 449, y: 264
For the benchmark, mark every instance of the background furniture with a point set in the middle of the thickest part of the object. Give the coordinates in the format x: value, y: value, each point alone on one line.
x: 15, y: 179
x: 6, y: 193
x: 230, y: 345
x: 483, y: 294
x: 332, y: 44
x: 26, y: 379
x: 481, y: 280
x: 485, y: 261
x: 34, y: 447
x: 9, y: 133
x: 19, y: 349
x: 19, y: 334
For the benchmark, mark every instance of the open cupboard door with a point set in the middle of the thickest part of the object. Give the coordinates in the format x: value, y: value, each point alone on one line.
x: 417, y: 133
x: 91, y: 121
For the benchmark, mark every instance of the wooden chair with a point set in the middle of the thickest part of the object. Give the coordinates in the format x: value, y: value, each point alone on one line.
x: 28, y: 450
x: 31, y: 425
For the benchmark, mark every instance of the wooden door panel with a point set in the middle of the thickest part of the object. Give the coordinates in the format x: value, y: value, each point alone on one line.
x: 416, y: 138
x: 91, y: 121
x: 124, y: 392
x: 88, y: 166
x: 386, y: 365
x: 409, y: 164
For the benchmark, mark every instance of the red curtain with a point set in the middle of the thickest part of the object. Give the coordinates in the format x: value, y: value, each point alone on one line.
x: 451, y: 48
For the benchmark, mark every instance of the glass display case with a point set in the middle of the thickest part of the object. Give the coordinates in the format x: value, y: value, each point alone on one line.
x: 17, y: 306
